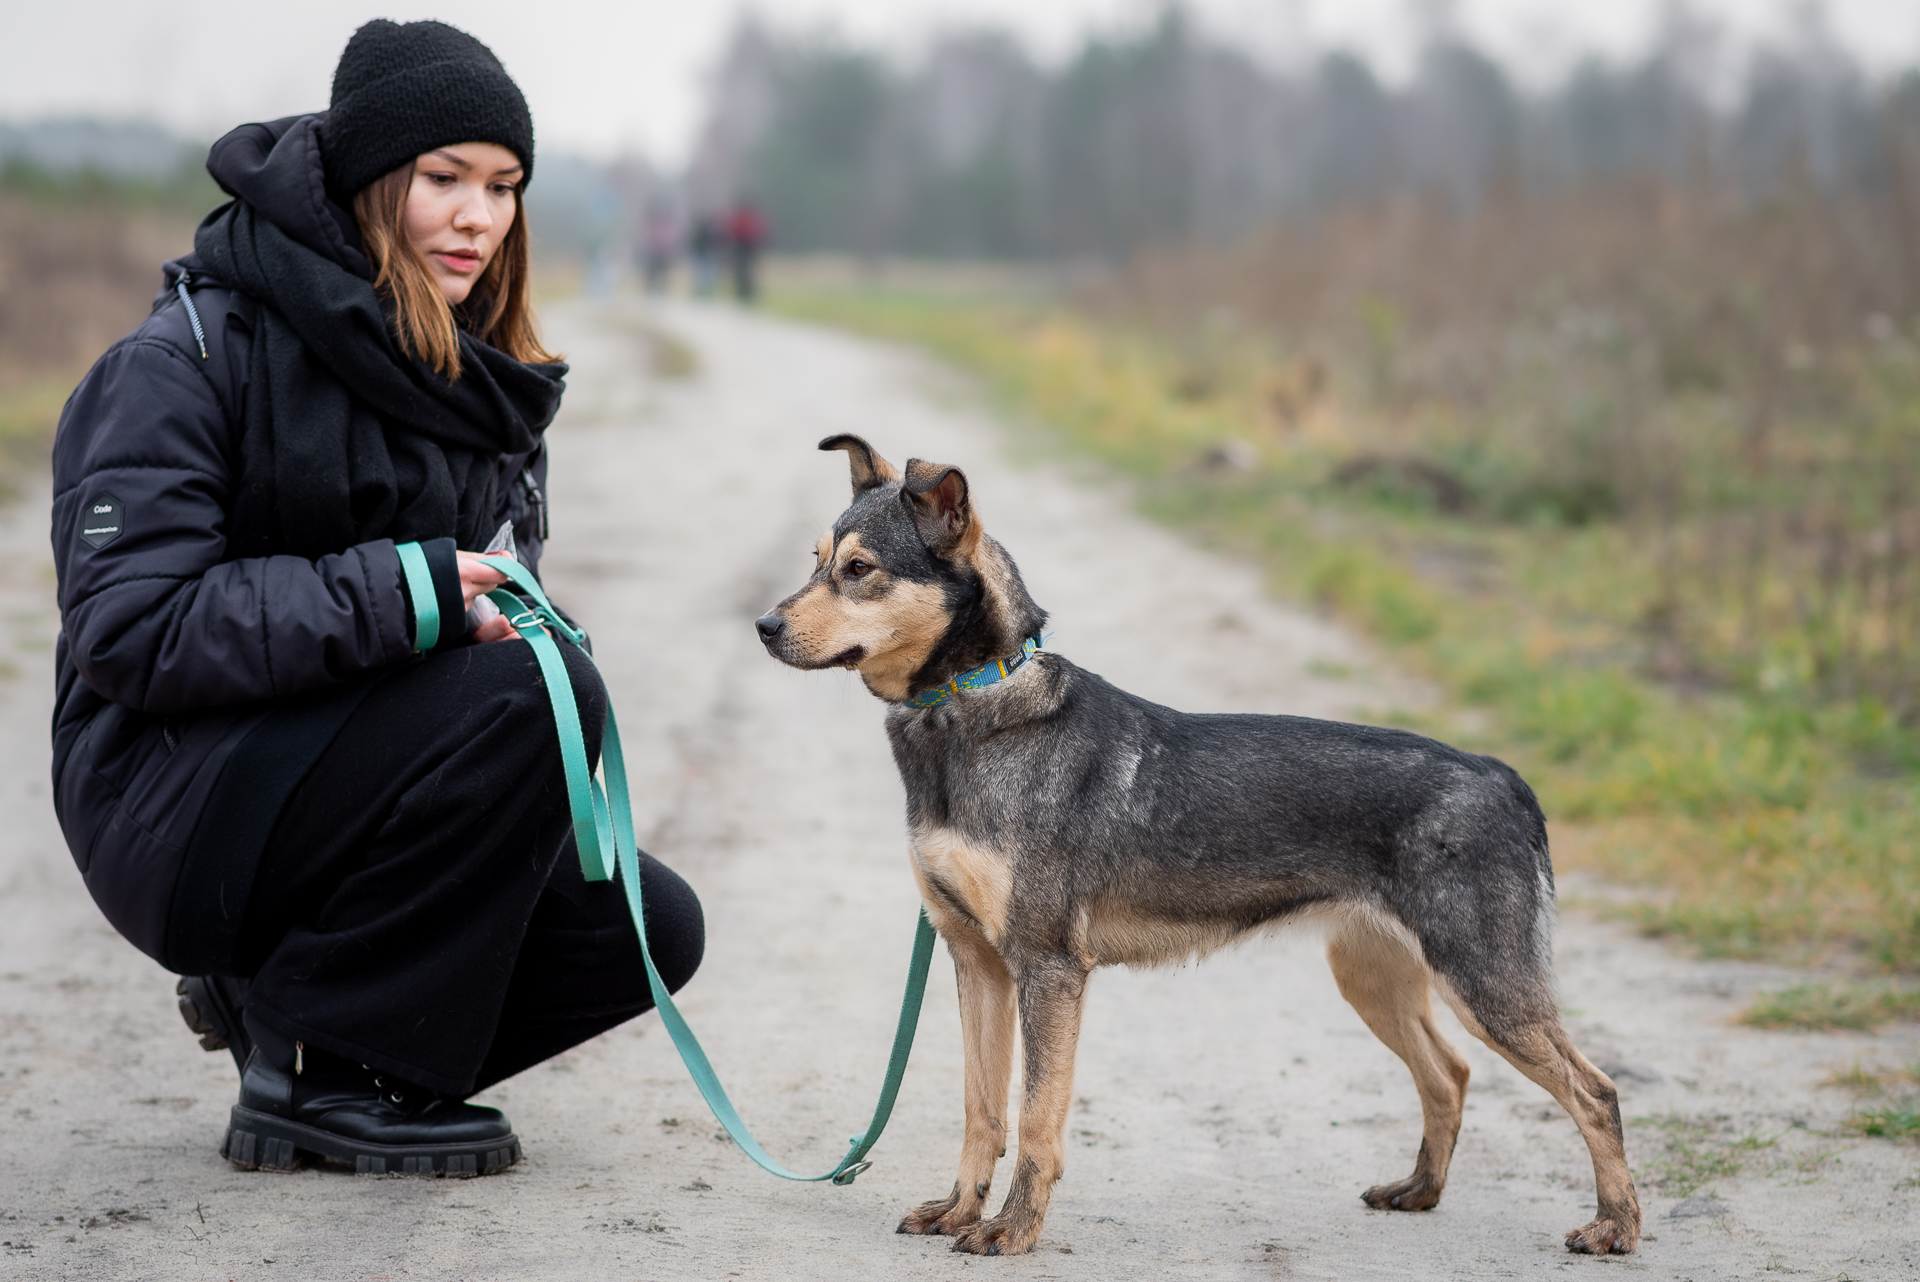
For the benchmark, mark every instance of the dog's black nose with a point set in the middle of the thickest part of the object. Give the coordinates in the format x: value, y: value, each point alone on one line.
x: 769, y: 625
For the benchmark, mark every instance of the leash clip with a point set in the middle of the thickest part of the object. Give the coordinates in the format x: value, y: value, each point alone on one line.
x: 847, y: 1176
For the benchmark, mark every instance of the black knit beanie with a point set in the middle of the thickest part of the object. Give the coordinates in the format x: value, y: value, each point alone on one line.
x: 405, y: 88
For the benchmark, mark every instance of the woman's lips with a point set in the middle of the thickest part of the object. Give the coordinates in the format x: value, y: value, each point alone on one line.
x: 459, y: 260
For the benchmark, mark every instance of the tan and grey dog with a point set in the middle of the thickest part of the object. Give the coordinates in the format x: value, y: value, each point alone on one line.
x: 1058, y: 824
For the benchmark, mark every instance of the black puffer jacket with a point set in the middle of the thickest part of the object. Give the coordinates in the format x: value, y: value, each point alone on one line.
x: 171, y: 652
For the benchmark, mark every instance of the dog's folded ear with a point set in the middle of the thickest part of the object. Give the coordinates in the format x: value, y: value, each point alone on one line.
x: 869, y: 469
x: 937, y: 495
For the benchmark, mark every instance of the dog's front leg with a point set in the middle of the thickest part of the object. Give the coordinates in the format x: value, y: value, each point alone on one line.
x: 986, y: 1027
x: 1052, y: 993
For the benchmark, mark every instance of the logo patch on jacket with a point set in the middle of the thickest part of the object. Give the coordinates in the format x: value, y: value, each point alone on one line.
x: 101, y: 522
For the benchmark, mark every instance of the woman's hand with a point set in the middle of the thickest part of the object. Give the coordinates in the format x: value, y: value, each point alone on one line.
x: 495, y: 629
x: 476, y: 579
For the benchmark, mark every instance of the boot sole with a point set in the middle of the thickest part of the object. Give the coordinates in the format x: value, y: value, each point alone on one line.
x: 207, y: 1011
x: 260, y: 1141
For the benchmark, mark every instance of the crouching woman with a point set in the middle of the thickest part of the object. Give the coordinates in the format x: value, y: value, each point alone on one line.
x: 350, y: 835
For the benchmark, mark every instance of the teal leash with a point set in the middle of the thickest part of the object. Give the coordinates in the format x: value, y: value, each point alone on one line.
x: 426, y: 622
x: 603, y: 831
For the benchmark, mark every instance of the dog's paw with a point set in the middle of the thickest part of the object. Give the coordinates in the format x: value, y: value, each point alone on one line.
x: 938, y: 1218
x: 1415, y: 1193
x: 1001, y: 1235
x: 1605, y: 1236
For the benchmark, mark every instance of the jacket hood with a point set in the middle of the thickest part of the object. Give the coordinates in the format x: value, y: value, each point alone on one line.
x: 276, y: 168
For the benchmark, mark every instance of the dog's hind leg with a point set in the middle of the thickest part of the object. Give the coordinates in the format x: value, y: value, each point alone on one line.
x: 987, y: 1012
x: 1505, y: 998
x: 1385, y: 981
x: 1541, y: 1049
x: 1052, y: 994
x: 1478, y: 893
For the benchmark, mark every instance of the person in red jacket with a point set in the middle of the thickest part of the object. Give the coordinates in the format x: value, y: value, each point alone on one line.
x: 746, y: 237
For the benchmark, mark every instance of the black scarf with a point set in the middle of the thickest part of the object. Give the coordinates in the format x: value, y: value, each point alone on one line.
x: 347, y: 439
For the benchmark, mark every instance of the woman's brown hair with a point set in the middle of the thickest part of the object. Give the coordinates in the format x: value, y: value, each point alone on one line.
x: 499, y: 311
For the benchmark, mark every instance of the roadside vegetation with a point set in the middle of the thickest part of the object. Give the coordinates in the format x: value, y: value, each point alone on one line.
x: 1822, y: 1006
x: 1632, y: 479
x: 80, y: 257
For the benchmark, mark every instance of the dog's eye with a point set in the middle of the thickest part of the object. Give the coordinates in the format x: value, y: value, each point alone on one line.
x: 857, y: 567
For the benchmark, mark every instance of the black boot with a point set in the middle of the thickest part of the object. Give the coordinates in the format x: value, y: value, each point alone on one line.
x: 296, y: 1100
x: 211, y: 1006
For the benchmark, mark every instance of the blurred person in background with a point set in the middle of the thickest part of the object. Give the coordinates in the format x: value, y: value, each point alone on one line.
x: 660, y: 245
x: 746, y: 236
x: 268, y: 766
x: 704, y: 246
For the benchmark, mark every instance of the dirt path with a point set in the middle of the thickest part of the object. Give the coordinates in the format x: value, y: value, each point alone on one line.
x: 1227, y: 1115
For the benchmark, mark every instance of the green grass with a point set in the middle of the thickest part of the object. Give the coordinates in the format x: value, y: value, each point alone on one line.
x: 1896, y: 1114
x: 1821, y: 1006
x: 1763, y: 818
x: 1895, y: 1121
x: 1697, y: 1151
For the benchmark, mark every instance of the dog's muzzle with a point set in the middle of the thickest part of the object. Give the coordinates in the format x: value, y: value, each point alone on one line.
x: 769, y: 625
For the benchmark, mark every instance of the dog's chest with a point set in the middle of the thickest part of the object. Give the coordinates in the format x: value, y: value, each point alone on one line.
x: 965, y: 877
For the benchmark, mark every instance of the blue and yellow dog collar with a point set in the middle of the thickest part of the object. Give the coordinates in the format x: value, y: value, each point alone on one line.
x: 979, y: 678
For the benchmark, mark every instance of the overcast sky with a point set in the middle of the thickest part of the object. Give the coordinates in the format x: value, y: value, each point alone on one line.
x: 610, y: 75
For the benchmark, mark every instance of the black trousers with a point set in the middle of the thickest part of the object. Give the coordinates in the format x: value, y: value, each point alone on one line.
x: 420, y: 907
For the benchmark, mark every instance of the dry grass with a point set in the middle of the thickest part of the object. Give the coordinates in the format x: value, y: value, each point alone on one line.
x: 76, y: 276
x: 1735, y: 388
x: 78, y: 269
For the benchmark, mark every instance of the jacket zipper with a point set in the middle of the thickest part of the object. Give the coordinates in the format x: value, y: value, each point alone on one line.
x: 537, y: 499
x: 193, y: 316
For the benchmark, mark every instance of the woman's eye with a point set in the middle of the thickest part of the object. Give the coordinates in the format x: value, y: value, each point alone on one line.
x: 857, y: 567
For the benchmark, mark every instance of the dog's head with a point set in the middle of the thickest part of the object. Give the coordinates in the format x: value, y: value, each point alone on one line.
x: 907, y: 589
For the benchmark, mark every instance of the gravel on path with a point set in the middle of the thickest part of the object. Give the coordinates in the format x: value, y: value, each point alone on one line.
x: 1227, y: 1115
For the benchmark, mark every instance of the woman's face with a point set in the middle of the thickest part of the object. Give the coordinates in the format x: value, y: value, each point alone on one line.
x: 459, y: 208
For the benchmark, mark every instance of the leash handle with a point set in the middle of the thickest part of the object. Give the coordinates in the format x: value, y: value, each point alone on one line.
x: 603, y: 833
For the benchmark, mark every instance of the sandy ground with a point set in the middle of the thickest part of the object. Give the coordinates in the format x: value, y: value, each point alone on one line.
x: 1227, y: 1115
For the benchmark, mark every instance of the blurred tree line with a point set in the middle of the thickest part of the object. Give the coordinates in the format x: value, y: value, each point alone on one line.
x: 1671, y: 301
x: 1167, y: 134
